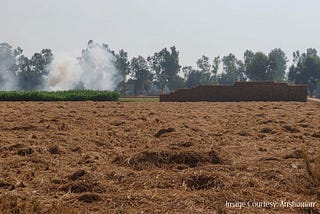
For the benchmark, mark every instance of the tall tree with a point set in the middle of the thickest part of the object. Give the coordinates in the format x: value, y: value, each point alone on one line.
x: 141, y: 73
x: 197, y: 77
x: 156, y: 64
x: 215, y: 69
x: 200, y: 76
x: 208, y: 76
x: 204, y: 64
x: 203, y: 75
x: 233, y: 70
x: 248, y: 56
x: 306, y: 70
x: 186, y: 70
x: 278, y: 63
x: 122, y: 64
x: 33, y: 71
x: 166, y: 67
x: 172, y: 66
x: 259, y: 68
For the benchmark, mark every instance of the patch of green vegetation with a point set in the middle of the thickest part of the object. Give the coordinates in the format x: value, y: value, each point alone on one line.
x: 139, y: 99
x: 72, y: 95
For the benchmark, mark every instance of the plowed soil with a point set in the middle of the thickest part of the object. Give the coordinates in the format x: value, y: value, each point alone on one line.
x: 113, y: 157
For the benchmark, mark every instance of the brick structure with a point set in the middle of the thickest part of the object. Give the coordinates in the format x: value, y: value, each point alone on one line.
x: 240, y: 91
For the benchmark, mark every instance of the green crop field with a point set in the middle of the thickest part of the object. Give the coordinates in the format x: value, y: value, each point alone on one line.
x: 72, y: 95
x: 139, y: 99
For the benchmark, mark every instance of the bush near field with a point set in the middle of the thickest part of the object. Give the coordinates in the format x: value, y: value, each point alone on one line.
x: 72, y: 95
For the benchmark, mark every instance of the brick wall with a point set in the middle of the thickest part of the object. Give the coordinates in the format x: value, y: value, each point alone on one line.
x: 240, y: 91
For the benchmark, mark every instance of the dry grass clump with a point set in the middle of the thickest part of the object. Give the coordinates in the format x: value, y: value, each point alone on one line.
x: 313, y: 169
x: 89, y: 197
x: 76, y: 175
x: 6, y: 185
x: 82, y: 187
x: 12, y: 204
x: 25, y: 151
x: 54, y: 150
x: 290, y: 129
x: 203, y: 182
x: 316, y: 135
x: 266, y: 130
x: 166, y: 158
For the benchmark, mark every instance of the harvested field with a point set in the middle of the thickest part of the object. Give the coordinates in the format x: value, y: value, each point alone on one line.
x: 113, y: 157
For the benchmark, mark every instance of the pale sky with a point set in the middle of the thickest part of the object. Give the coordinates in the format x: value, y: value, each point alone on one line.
x: 142, y: 27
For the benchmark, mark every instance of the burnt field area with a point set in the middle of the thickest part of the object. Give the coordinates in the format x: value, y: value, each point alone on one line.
x: 122, y: 157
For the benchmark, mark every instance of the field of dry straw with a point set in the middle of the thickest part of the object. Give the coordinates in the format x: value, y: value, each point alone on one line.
x: 114, y: 157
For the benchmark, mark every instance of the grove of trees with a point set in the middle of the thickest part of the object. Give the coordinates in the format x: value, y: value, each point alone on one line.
x: 162, y: 72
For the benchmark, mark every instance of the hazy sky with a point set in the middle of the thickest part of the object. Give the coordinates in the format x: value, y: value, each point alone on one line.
x: 141, y: 27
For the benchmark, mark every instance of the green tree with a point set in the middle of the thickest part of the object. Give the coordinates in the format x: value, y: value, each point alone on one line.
x: 206, y: 73
x: 278, y: 63
x: 40, y: 61
x: 140, y: 71
x: 233, y: 70
x: 166, y: 67
x: 203, y: 64
x: 204, y: 67
x: 215, y: 69
x: 248, y: 56
x: 195, y: 77
x: 176, y: 83
x: 306, y: 70
x: 156, y: 64
x: 122, y: 64
x: 33, y: 71
x: 259, y: 68
x: 186, y: 70
x: 172, y: 66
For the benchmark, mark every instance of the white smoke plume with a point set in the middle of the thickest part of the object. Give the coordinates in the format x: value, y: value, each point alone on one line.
x: 64, y: 73
x: 95, y: 70
x: 8, y: 79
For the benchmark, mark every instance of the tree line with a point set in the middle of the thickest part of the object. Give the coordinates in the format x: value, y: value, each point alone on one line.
x: 162, y: 71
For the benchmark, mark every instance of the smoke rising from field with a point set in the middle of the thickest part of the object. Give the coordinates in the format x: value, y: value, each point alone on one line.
x: 8, y: 79
x: 64, y: 73
x: 95, y: 70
